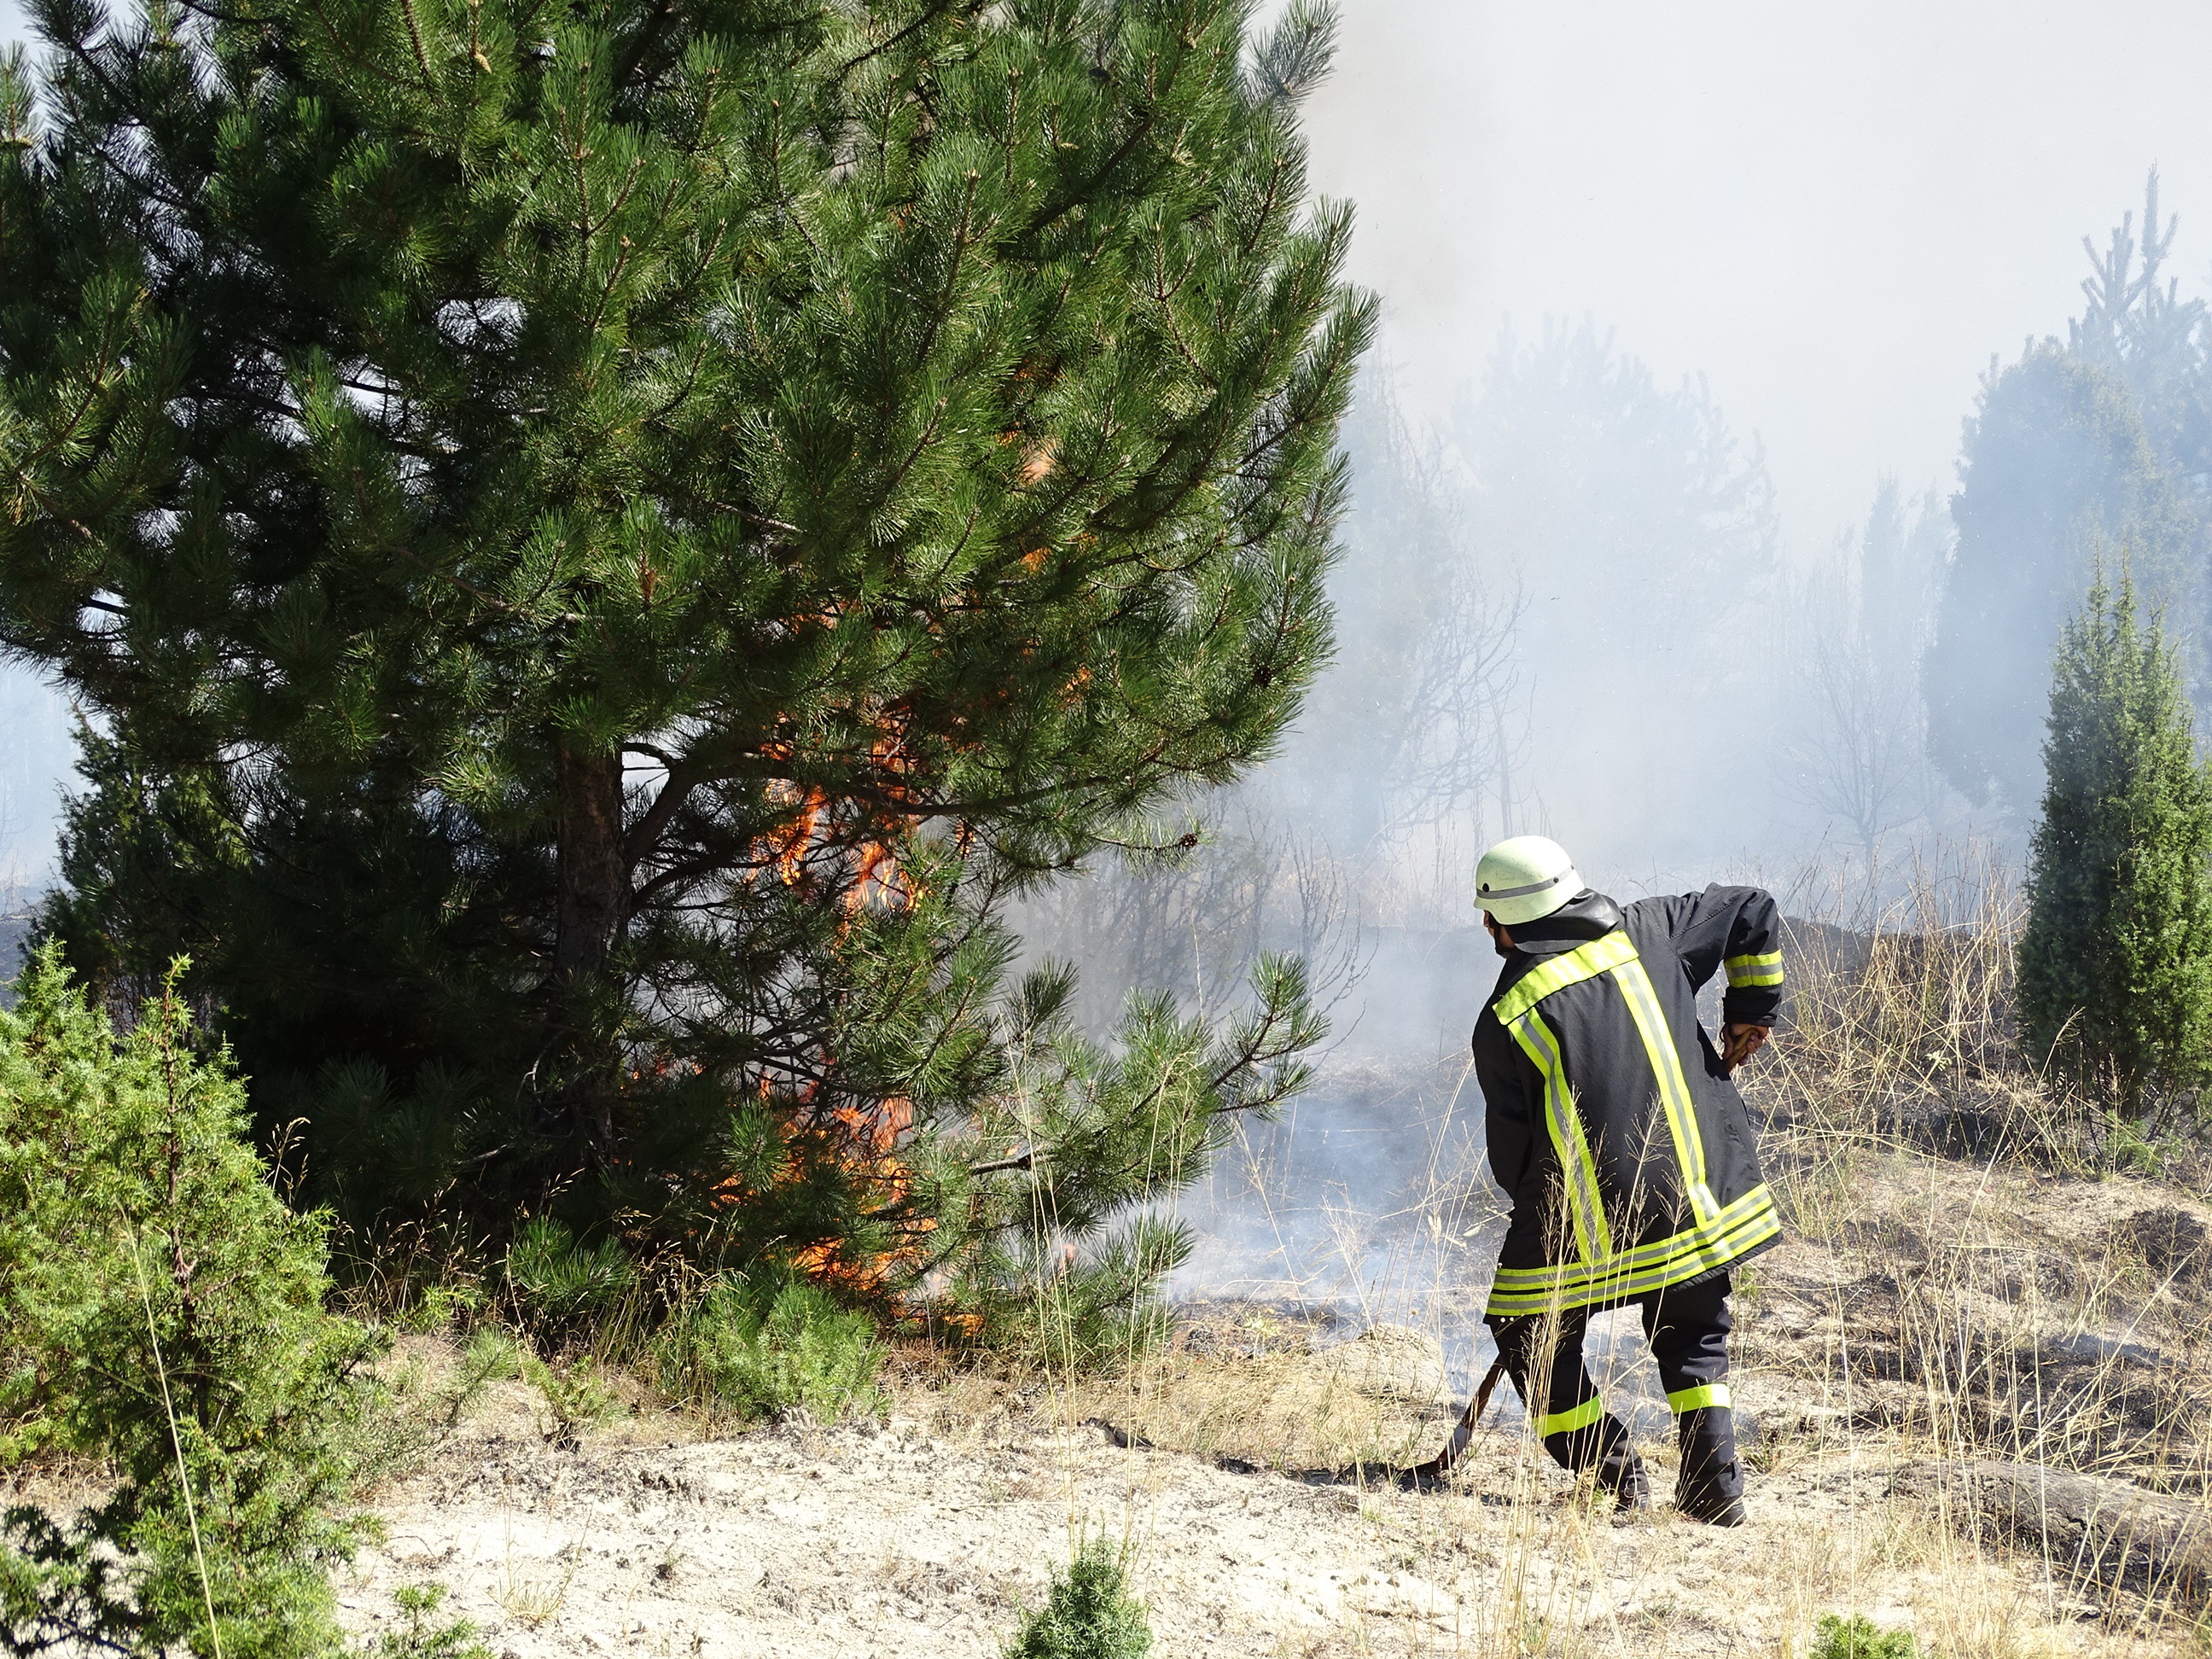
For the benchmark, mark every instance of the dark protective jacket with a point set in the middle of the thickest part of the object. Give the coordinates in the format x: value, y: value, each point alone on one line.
x: 1615, y: 1127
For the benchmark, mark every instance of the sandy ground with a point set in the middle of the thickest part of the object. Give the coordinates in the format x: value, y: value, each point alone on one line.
x: 928, y: 1533
x: 796, y: 1541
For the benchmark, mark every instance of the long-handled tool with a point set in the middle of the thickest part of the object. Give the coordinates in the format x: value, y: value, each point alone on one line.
x: 1464, y: 1431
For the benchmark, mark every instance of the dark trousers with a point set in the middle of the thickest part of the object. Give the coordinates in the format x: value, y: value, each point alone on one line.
x: 1687, y: 1327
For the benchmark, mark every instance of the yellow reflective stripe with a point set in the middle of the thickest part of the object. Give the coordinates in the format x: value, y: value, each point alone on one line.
x: 1762, y: 970
x: 1747, y: 1223
x: 1674, y: 1089
x: 1556, y: 973
x: 1657, y: 1254
x: 1655, y: 1258
x: 1593, y: 1239
x: 1690, y: 1399
x: 1567, y: 1422
x: 1612, y: 1290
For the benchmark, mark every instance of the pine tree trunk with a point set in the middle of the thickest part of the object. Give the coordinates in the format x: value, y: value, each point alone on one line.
x: 592, y: 908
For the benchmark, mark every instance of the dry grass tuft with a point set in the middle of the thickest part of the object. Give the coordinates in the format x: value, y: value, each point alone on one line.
x: 1970, y: 1275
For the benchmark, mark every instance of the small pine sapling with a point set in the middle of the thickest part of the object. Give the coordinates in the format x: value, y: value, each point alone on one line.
x: 1859, y: 1638
x: 2115, y: 983
x: 1089, y: 1613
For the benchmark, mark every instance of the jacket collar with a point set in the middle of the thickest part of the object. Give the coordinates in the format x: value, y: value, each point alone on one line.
x: 1586, y: 916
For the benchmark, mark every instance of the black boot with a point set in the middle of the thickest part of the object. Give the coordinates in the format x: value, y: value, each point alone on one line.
x: 1606, y: 1450
x: 1622, y: 1475
x: 1710, y: 1485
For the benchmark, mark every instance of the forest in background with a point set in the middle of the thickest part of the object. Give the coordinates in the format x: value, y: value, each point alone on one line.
x: 720, y: 729
x: 1563, y: 607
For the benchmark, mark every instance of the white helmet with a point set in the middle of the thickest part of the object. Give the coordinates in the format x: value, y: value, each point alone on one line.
x: 1523, y: 878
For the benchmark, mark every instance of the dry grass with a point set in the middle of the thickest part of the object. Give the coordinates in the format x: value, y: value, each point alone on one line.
x: 1966, y: 1279
x: 1251, y: 1395
x: 531, y: 1595
x: 2002, y: 1302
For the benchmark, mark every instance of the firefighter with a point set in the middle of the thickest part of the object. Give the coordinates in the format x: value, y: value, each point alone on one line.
x: 1615, y: 1128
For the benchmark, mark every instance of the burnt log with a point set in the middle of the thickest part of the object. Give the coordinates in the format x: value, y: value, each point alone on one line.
x: 2086, y: 1528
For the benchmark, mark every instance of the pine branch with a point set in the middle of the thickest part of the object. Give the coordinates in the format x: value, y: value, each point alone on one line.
x: 928, y: 13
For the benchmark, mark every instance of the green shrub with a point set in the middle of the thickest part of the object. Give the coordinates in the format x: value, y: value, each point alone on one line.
x: 577, y: 1399
x: 561, y: 1286
x: 1858, y: 1637
x: 162, y: 1310
x: 760, y: 1345
x: 439, y: 1308
x: 490, y: 1355
x: 2116, y: 960
x: 1098, y: 1310
x: 417, y: 1637
x: 1090, y: 1613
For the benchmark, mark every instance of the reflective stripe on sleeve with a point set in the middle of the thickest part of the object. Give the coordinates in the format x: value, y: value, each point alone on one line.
x: 1690, y: 1399
x: 1749, y: 972
x: 1567, y: 1422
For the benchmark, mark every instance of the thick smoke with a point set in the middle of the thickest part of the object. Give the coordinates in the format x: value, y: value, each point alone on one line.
x: 1682, y: 531
x: 1664, y: 541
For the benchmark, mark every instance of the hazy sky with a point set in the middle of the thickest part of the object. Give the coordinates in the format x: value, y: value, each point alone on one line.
x: 1836, y: 213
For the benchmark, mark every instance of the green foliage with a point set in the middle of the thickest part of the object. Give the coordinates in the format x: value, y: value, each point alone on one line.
x: 140, y: 849
x: 439, y: 1307
x: 420, y: 1635
x: 576, y: 1396
x: 1086, y: 1133
x: 1858, y: 1637
x: 2134, y: 1147
x: 490, y: 1355
x: 561, y: 1286
x: 1090, y: 1613
x: 638, y: 529
x: 2115, y: 962
x: 760, y: 1345
x: 1089, y: 1309
x: 160, y: 1310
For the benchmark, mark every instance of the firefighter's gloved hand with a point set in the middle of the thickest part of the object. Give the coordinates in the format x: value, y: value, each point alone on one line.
x: 1739, y: 1043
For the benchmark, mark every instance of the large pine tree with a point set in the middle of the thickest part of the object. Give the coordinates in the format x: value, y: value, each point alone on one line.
x: 645, y: 522
x: 2116, y: 964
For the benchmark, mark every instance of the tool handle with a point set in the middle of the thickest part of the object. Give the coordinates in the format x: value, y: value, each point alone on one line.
x: 1464, y: 1431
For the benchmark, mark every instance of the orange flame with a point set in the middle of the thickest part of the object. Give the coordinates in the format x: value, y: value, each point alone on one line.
x: 862, y: 1140
x: 791, y: 861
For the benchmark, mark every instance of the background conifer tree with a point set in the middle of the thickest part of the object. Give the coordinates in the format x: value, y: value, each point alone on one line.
x: 2057, y: 461
x: 640, y: 525
x: 2104, y: 440
x: 2116, y: 963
